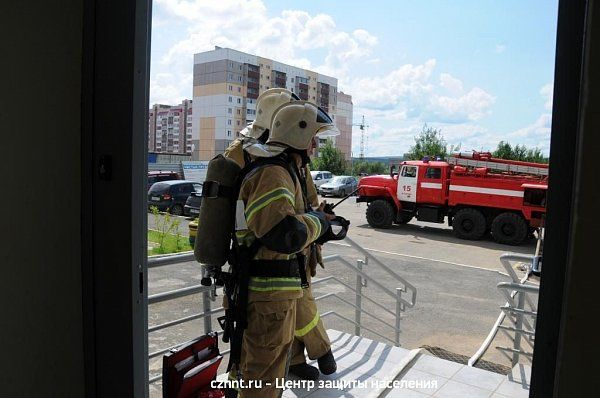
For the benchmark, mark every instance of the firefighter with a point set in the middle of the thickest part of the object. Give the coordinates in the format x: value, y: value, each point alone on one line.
x: 276, y: 222
x: 310, y: 333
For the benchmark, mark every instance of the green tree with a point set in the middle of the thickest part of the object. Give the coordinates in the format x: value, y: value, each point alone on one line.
x: 519, y: 152
x: 536, y: 155
x: 429, y: 142
x: 330, y: 159
x: 503, y: 151
x: 362, y: 166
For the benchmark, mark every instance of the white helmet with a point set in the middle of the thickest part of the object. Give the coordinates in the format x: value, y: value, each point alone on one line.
x: 266, y: 104
x: 294, y: 125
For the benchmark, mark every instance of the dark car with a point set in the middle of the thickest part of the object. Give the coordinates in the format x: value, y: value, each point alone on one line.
x: 172, y: 195
x: 192, y: 205
x: 158, y: 176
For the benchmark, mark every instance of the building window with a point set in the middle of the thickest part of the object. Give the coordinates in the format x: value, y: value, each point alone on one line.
x: 292, y: 79
x: 239, y: 100
x: 230, y: 87
x: 230, y: 99
x: 229, y: 110
x: 238, y: 112
x: 238, y: 122
x: 228, y: 133
x: 239, y: 89
x: 229, y: 122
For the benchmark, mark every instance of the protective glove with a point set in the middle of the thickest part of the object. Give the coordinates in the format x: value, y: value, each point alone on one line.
x: 337, y: 223
x: 319, y: 256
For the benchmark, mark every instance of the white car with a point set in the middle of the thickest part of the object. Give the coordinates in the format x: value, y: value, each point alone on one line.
x: 320, y: 177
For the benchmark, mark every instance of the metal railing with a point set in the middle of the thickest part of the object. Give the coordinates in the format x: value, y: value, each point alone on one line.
x: 520, y: 310
x: 208, y: 294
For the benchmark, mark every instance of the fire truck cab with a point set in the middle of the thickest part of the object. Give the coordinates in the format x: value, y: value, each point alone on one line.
x: 474, y: 192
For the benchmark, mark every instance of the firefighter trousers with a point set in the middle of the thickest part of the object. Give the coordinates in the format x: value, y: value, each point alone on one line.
x: 266, y: 347
x: 310, y: 332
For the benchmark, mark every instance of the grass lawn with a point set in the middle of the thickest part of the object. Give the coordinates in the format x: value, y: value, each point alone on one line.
x: 170, y: 243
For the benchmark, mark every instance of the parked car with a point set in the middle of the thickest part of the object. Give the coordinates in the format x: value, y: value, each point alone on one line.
x: 158, y: 176
x: 192, y: 205
x: 320, y: 177
x: 339, y: 186
x: 172, y: 195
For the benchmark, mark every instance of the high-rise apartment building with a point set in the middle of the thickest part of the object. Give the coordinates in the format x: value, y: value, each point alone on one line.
x: 343, y: 121
x: 228, y: 82
x: 170, y: 128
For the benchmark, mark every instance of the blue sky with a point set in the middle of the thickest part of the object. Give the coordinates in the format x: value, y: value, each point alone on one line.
x: 481, y: 71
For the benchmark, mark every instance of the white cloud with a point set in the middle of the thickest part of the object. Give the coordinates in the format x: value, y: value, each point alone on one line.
x: 450, y: 83
x: 397, y: 140
x: 547, y: 92
x: 500, y: 48
x: 365, y: 37
x: 473, y: 105
x: 247, y: 26
x: 164, y: 91
x: 537, y: 134
x: 411, y: 92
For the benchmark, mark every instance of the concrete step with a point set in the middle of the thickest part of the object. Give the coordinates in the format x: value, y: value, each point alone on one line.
x: 366, y: 367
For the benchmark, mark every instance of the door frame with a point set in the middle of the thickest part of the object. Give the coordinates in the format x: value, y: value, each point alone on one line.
x: 114, y: 126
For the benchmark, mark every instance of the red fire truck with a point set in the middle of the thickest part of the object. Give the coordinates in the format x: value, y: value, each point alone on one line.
x: 477, y: 193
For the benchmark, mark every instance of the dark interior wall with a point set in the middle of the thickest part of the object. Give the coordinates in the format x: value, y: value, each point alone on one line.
x: 40, y: 119
x: 579, y: 348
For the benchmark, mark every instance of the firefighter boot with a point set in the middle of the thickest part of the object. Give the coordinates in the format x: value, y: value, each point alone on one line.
x: 327, y: 363
x: 305, y: 371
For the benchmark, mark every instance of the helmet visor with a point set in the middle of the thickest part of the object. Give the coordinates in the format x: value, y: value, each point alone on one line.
x: 327, y: 131
x: 323, y: 117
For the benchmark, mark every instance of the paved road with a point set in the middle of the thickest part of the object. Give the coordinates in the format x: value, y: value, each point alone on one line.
x: 426, y: 240
x: 457, y: 301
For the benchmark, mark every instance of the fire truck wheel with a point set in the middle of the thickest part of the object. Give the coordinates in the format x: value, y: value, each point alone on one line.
x: 469, y: 224
x: 380, y: 214
x: 509, y: 229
